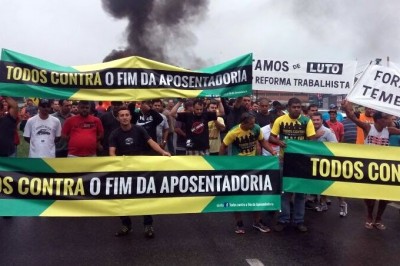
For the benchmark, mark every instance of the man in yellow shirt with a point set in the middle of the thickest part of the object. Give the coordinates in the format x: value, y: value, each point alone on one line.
x: 296, y: 126
x: 244, y: 138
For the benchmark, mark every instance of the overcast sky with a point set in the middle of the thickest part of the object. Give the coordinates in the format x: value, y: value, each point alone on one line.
x: 81, y: 32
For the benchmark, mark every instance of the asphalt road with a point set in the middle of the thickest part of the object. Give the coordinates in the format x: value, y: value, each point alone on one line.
x: 201, y: 239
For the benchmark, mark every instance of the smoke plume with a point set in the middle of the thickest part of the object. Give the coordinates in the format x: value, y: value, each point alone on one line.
x: 159, y: 29
x: 366, y: 27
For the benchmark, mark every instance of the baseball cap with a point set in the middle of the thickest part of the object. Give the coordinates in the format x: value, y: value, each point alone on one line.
x: 332, y: 106
x: 45, y: 102
x: 276, y: 103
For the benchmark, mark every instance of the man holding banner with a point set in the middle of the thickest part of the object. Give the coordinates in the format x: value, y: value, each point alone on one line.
x: 244, y: 138
x: 375, y: 134
x: 130, y: 139
x: 293, y: 125
x: 327, y: 136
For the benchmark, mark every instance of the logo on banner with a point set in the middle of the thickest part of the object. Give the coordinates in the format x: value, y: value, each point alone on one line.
x: 325, y: 68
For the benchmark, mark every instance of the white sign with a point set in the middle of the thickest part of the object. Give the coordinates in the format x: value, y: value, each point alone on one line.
x: 314, y: 76
x: 378, y: 88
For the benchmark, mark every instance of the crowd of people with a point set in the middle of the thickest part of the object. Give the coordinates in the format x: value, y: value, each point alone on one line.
x: 205, y: 127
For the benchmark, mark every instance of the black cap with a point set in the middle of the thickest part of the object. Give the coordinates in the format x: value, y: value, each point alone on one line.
x: 45, y: 102
x: 276, y: 103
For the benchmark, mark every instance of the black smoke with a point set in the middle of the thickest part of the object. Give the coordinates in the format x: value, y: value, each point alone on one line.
x: 159, y: 29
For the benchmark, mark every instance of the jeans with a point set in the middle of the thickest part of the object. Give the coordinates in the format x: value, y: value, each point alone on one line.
x: 299, y: 208
x: 147, y: 220
x: 170, y: 143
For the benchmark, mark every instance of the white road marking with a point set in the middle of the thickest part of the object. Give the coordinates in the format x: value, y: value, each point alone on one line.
x: 254, y: 262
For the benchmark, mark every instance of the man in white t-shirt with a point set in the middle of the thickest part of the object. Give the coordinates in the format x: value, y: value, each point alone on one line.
x: 42, y: 131
x: 266, y: 130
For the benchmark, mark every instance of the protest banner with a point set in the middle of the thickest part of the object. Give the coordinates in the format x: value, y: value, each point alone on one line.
x: 138, y: 185
x: 313, y: 76
x: 130, y: 78
x: 344, y: 170
x: 378, y: 88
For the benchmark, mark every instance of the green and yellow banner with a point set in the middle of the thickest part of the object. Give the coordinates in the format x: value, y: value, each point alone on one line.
x: 130, y: 78
x: 138, y: 185
x: 338, y: 169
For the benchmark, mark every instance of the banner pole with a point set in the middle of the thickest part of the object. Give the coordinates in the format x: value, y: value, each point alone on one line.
x: 354, y: 85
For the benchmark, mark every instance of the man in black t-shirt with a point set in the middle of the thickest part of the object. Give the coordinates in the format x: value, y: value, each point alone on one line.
x: 233, y: 114
x: 196, y: 123
x: 110, y: 122
x: 263, y: 116
x: 149, y: 119
x: 131, y: 139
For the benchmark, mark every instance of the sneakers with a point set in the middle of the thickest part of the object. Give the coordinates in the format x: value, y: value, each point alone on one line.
x: 328, y: 201
x: 149, y: 231
x: 279, y: 227
x: 124, y: 231
x: 310, y: 205
x: 301, y: 227
x: 380, y: 226
x: 261, y: 227
x: 343, y: 209
x: 322, y: 207
x: 239, y: 230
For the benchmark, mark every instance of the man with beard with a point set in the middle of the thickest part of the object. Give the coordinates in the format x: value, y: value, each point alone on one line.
x: 74, y: 108
x: 83, y: 132
x: 196, y: 127
x: 215, y: 127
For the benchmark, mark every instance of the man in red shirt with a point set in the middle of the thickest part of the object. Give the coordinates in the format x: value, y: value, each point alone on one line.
x: 83, y: 132
x: 335, y: 125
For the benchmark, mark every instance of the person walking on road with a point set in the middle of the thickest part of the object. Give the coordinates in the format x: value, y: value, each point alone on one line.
x: 244, y: 138
x: 375, y: 134
x: 130, y: 139
x: 296, y: 126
